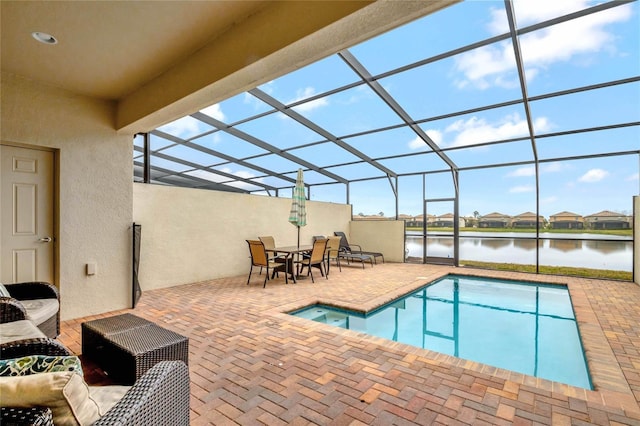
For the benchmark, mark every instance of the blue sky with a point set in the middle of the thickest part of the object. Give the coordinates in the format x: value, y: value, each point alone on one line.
x: 586, y: 51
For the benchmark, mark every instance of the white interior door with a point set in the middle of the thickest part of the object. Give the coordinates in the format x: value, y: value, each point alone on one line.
x: 26, y: 216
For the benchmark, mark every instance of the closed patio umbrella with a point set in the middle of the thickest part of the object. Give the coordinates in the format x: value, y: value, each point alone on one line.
x: 298, y: 213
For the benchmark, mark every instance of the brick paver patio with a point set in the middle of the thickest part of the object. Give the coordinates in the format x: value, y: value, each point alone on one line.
x: 252, y: 364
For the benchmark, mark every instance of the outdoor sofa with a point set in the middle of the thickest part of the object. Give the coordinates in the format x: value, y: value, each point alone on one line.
x: 41, y: 381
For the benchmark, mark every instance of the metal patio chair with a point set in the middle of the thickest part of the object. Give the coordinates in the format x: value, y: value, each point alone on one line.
x: 259, y: 258
x: 316, y: 259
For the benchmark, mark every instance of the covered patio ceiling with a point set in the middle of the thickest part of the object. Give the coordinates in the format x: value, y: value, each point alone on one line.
x: 478, y: 85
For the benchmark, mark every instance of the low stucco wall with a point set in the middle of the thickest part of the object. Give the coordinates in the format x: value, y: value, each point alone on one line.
x: 636, y: 239
x: 385, y: 236
x: 191, y: 235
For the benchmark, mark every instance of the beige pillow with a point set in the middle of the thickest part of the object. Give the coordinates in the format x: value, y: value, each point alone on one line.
x: 107, y: 396
x: 65, y: 393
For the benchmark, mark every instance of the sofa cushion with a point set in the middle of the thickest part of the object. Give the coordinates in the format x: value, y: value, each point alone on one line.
x: 3, y: 291
x: 33, y: 364
x: 40, y: 310
x: 65, y: 393
x: 18, y: 330
x: 107, y: 396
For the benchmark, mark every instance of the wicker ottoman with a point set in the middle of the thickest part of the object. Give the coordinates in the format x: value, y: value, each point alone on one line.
x: 126, y: 346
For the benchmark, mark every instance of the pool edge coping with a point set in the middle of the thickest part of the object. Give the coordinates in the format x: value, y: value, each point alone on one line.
x: 602, y: 363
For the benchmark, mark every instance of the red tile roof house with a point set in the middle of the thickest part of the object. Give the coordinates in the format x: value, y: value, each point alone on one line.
x: 566, y: 220
x: 495, y: 220
x: 527, y: 220
x: 608, y: 220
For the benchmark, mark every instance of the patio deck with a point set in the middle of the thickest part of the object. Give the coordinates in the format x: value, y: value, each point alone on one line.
x: 251, y: 364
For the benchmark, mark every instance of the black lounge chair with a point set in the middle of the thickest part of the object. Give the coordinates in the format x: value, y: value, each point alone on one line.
x: 355, y: 248
x: 349, y: 255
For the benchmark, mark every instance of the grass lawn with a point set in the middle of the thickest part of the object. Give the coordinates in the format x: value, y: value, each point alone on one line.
x: 553, y: 270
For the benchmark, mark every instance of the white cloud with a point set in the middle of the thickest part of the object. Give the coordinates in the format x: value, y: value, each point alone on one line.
x: 417, y: 142
x: 477, y: 130
x: 593, y: 175
x: 633, y: 177
x: 487, y: 66
x: 494, y: 65
x: 182, y: 127
x: 521, y: 188
x: 267, y: 88
x: 529, y: 12
x: 553, y: 167
x: 531, y: 170
x: 523, y: 172
x: 214, y: 111
x: 313, y: 105
x: 305, y: 93
x: 214, y: 177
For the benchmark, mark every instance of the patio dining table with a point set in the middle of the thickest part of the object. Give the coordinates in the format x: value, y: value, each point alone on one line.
x: 290, y: 252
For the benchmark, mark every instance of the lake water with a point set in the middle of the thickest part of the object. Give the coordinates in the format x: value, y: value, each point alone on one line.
x: 598, y: 252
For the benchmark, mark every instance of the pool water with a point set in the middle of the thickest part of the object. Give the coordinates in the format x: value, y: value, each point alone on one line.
x: 523, y: 327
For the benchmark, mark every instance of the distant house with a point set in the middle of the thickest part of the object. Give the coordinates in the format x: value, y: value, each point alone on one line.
x: 470, y: 221
x: 608, y: 220
x: 371, y: 217
x: 446, y: 221
x: 566, y: 220
x: 494, y: 220
x: 416, y: 221
x: 419, y: 220
x: 407, y: 218
x: 527, y: 220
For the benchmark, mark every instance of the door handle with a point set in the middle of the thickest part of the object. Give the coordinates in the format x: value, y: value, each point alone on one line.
x: 46, y: 240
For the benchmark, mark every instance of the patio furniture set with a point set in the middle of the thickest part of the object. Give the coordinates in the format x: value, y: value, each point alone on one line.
x: 41, y: 381
x: 291, y: 260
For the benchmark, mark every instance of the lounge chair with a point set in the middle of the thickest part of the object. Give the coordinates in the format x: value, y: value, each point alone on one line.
x: 355, y: 248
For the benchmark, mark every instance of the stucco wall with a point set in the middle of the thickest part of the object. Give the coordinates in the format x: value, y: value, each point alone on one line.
x: 386, y: 236
x: 636, y: 239
x: 94, y: 189
x: 191, y: 235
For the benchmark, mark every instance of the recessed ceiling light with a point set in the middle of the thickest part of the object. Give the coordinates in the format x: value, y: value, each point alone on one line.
x: 44, y: 37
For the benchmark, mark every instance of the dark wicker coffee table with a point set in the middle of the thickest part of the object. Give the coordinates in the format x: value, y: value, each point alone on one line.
x: 126, y: 346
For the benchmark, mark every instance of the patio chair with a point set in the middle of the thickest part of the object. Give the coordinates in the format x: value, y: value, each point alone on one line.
x: 313, y: 240
x: 355, y: 248
x: 36, y: 301
x: 333, y: 252
x: 316, y: 259
x: 270, y: 244
x: 259, y: 258
x: 35, y: 346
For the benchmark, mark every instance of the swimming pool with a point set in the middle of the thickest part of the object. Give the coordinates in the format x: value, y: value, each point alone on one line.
x: 524, y: 327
